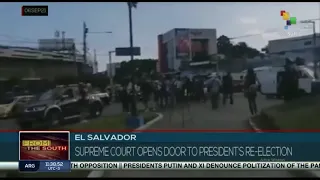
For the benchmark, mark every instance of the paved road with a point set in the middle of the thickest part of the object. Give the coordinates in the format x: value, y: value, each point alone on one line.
x: 229, y: 117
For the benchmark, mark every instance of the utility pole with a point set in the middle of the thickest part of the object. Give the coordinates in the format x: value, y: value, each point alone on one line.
x: 134, y: 103
x: 95, y: 68
x: 57, y: 36
x: 130, y: 31
x: 74, y: 56
x: 315, y: 60
x: 111, y: 73
x: 63, y: 33
x: 85, y: 32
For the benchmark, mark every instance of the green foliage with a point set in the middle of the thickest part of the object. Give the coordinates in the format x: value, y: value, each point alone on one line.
x: 230, y: 50
x: 13, y: 81
x: 301, y: 113
x: 137, y: 66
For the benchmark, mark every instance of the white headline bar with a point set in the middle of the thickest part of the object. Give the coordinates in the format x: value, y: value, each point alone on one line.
x: 181, y: 165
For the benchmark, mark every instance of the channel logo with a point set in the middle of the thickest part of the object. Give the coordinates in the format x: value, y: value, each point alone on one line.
x: 289, y: 20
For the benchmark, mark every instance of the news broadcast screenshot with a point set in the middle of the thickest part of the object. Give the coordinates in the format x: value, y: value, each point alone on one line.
x: 159, y: 90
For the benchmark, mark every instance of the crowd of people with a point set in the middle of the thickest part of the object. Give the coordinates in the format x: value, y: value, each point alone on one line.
x: 168, y: 91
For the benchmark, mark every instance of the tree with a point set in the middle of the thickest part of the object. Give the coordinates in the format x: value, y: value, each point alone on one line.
x: 265, y: 49
x: 144, y: 66
x: 239, y: 50
x: 224, y: 45
x: 13, y: 81
x: 132, y: 4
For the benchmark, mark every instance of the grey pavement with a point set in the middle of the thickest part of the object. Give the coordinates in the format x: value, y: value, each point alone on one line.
x: 202, y: 117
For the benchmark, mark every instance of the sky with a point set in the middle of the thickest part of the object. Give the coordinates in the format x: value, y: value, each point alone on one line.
x: 151, y: 19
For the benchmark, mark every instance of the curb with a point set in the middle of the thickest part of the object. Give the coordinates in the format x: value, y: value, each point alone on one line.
x: 99, y: 174
x: 297, y: 173
x: 253, y: 126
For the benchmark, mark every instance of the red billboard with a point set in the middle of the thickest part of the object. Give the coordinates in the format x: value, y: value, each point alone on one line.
x: 182, y: 43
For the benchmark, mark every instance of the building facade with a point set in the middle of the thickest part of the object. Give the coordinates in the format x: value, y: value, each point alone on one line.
x: 23, y: 62
x: 178, y: 47
x: 302, y: 46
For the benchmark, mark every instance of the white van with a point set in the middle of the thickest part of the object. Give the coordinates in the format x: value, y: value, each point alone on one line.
x: 269, y: 80
x: 260, y: 72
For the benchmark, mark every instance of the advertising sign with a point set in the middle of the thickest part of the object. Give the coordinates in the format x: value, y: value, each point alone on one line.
x: 126, y: 51
x: 182, y: 43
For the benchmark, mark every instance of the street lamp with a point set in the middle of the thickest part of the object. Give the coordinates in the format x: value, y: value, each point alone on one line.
x: 102, y: 32
x: 314, y: 45
x: 110, y: 72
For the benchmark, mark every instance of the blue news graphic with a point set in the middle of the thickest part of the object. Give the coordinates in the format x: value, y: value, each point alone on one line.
x: 44, y: 166
x: 181, y: 146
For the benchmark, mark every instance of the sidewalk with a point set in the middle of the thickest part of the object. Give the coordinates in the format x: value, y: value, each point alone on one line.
x: 229, y: 117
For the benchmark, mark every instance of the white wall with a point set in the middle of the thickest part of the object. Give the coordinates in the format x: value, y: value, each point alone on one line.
x: 289, y: 44
x: 171, y: 54
x: 296, y: 47
x: 168, y: 36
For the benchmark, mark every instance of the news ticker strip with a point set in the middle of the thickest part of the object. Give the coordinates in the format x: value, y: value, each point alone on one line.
x: 34, y: 11
x: 180, y: 165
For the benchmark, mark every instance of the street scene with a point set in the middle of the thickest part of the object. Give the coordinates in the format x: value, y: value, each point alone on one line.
x: 85, y: 70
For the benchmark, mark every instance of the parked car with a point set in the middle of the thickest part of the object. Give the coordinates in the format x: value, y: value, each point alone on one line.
x: 57, y: 105
x: 11, y: 106
x: 104, y: 96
